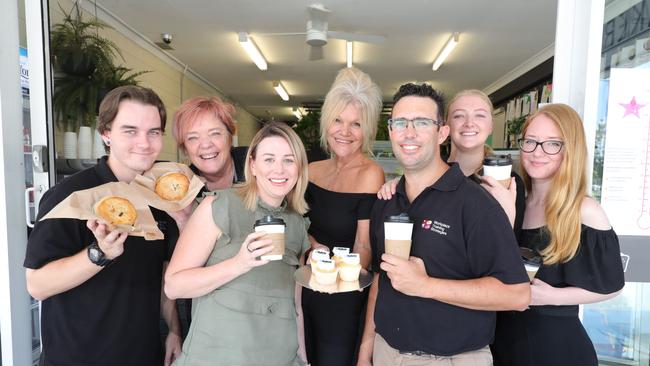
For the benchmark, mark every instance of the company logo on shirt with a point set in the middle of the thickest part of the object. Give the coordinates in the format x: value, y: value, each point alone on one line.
x: 435, y: 226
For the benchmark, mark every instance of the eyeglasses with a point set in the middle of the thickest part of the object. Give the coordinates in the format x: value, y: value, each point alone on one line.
x: 419, y: 124
x: 551, y: 147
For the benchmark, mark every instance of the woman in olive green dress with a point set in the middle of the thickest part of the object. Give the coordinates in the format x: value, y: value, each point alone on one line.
x: 244, y: 308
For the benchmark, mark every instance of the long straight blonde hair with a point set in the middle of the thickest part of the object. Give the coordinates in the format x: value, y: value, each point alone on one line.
x: 568, y: 187
x: 249, y: 191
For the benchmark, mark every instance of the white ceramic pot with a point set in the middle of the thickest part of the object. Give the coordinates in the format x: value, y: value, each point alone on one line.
x: 85, y: 143
x: 70, y: 145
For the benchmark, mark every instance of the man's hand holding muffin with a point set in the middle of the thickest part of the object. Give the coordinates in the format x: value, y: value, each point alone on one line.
x: 111, y: 242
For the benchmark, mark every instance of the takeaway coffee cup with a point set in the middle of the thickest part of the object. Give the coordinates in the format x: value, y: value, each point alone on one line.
x: 532, y: 261
x: 274, y: 229
x: 499, y: 168
x: 397, y: 235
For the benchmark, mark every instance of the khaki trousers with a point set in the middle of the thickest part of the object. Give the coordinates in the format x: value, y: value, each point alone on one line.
x: 385, y: 355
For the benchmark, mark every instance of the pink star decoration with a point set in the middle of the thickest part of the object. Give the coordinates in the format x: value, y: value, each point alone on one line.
x: 632, y: 108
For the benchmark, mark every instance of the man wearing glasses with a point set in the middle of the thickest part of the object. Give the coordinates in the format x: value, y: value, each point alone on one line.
x: 438, y: 307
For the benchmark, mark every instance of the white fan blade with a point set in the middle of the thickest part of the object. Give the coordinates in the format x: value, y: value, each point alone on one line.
x: 354, y: 37
x: 278, y: 34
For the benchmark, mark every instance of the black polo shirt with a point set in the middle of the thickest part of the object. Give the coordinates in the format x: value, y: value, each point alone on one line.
x: 111, y: 319
x: 460, y: 232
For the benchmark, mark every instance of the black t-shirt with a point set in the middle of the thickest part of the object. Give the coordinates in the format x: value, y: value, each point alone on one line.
x: 113, y: 317
x: 460, y: 232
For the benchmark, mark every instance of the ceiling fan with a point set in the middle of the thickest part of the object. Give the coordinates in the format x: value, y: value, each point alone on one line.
x: 317, y: 32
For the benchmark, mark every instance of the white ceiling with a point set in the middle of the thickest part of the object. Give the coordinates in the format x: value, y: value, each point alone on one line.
x: 495, y: 37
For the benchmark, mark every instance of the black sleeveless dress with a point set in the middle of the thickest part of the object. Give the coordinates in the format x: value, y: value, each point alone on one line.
x: 553, y: 335
x: 332, y: 321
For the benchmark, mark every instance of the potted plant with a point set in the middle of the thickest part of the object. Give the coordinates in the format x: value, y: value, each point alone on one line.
x: 77, y: 48
x: 84, y: 73
x: 382, y: 128
x: 308, y: 128
x: 514, y: 130
x: 113, y: 76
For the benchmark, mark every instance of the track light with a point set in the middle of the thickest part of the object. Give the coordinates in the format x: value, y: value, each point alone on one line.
x: 282, y: 92
x: 296, y: 112
x: 253, y: 52
x: 451, y: 43
x: 348, y: 49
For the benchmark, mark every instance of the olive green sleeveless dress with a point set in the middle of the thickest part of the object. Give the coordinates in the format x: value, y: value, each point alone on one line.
x: 251, y: 320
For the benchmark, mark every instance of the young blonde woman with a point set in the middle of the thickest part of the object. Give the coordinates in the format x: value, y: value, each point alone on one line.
x: 340, y: 194
x: 244, y: 310
x: 580, y: 250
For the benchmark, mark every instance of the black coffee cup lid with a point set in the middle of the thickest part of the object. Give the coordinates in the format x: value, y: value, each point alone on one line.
x: 269, y: 220
x: 403, y: 218
x: 497, y: 160
x: 530, y: 256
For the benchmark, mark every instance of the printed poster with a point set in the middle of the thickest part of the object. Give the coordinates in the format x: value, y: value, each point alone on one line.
x: 24, y: 71
x: 525, y: 109
x: 533, y: 99
x: 626, y: 165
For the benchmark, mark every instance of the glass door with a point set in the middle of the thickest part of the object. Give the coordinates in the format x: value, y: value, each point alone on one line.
x: 620, y: 327
x: 38, y: 141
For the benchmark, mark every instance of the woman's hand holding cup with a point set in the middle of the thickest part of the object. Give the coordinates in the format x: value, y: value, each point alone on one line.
x: 251, y: 249
x: 505, y: 196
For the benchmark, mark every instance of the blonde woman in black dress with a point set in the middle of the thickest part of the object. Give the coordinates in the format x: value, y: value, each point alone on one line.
x: 340, y: 194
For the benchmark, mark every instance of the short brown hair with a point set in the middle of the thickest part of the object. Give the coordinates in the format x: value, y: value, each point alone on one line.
x: 111, y: 103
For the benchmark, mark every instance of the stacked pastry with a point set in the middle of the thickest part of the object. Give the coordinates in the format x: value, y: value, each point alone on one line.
x: 343, y: 264
x: 338, y: 253
x: 350, y: 267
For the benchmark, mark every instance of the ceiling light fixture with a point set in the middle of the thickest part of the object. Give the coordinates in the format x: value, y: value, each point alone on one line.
x: 296, y: 112
x: 349, y: 53
x: 282, y: 92
x: 253, y: 52
x: 451, y: 43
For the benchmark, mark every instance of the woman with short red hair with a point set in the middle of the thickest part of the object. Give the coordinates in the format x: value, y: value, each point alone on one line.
x: 203, y: 130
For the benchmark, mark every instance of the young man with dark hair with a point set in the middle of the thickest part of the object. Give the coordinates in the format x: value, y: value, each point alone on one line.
x: 101, y: 290
x: 438, y: 307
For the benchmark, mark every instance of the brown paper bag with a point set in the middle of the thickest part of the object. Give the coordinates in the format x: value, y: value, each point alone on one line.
x: 80, y: 205
x: 146, y: 186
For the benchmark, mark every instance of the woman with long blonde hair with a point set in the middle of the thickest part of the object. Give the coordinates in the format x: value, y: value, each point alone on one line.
x: 579, y: 249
